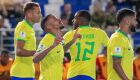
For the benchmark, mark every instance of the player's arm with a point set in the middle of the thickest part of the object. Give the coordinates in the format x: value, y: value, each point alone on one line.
x: 40, y: 55
x: 75, y: 37
x: 20, y: 51
x: 118, y: 68
x: 117, y: 51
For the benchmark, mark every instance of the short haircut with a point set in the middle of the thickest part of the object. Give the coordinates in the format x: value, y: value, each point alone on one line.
x: 122, y: 13
x: 30, y: 6
x: 44, y: 20
x: 85, y: 14
x: 5, y: 52
x: 138, y: 50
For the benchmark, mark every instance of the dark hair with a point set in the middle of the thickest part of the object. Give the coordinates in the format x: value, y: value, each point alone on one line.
x: 138, y: 50
x: 5, y: 52
x: 124, y: 13
x: 85, y: 14
x: 30, y: 6
x: 44, y: 20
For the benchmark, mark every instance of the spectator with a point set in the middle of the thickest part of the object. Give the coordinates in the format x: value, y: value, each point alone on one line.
x: 110, y: 14
x: 5, y: 35
x: 98, y: 16
x: 67, y: 13
x: 136, y: 64
x: 5, y: 65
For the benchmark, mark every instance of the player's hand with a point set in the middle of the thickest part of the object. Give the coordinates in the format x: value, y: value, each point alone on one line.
x: 76, y: 35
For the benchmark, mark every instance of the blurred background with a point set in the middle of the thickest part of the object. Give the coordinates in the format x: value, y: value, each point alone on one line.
x: 103, y: 16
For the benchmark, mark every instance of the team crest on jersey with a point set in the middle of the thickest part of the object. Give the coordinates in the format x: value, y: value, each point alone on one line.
x: 22, y: 34
x: 117, y: 50
x: 40, y: 48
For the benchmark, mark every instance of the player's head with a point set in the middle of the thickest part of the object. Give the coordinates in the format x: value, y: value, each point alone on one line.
x: 32, y: 11
x: 50, y: 22
x: 138, y: 50
x: 5, y: 56
x: 127, y: 17
x: 81, y: 18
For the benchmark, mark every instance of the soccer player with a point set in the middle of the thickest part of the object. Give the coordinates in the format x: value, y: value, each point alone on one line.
x: 25, y: 43
x: 120, y: 50
x: 5, y: 65
x: 84, y: 49
x: 50, y: 52
x: 101, y: 63
x: 136, y: 64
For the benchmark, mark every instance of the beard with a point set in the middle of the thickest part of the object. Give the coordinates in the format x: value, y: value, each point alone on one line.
x: 132, y: 29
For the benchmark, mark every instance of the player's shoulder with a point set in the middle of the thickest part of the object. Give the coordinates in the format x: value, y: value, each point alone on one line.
x: 116, y: 39
x: 101, y: 31
x: 115, y: 36
x: 48, y: 37
x: 21, y: 23
x: 21, y: 26
x: 69, y: 33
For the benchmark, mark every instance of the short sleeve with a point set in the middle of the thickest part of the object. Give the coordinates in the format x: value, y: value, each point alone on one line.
x: 22, y: 35
x: 117, y: 47
x: 45, y: 43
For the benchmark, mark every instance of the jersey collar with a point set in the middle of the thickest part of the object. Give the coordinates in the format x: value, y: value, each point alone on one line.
x: 84, y: 26
x: 121, y: 32
x: 52, y: 34
x: 30, y: 25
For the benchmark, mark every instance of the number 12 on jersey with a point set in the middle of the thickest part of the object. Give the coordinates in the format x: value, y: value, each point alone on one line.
x: 86, y: 51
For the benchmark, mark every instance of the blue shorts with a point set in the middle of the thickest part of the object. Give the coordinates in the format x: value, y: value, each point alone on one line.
x: 18, y: 78
x: 81, y: 77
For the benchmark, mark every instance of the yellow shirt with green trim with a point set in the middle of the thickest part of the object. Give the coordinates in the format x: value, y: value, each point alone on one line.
x: 51, y: 65
x: 23, y: 66
x: 119, y: 46
x: 84, y: 51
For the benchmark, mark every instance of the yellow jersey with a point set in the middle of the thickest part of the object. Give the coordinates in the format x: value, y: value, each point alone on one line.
x: 84, y: 51
x: 23, y: 66
x: 51, y: 65
x: 119, y: 46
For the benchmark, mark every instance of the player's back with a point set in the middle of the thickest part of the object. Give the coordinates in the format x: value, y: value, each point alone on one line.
x: 84, y: 51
